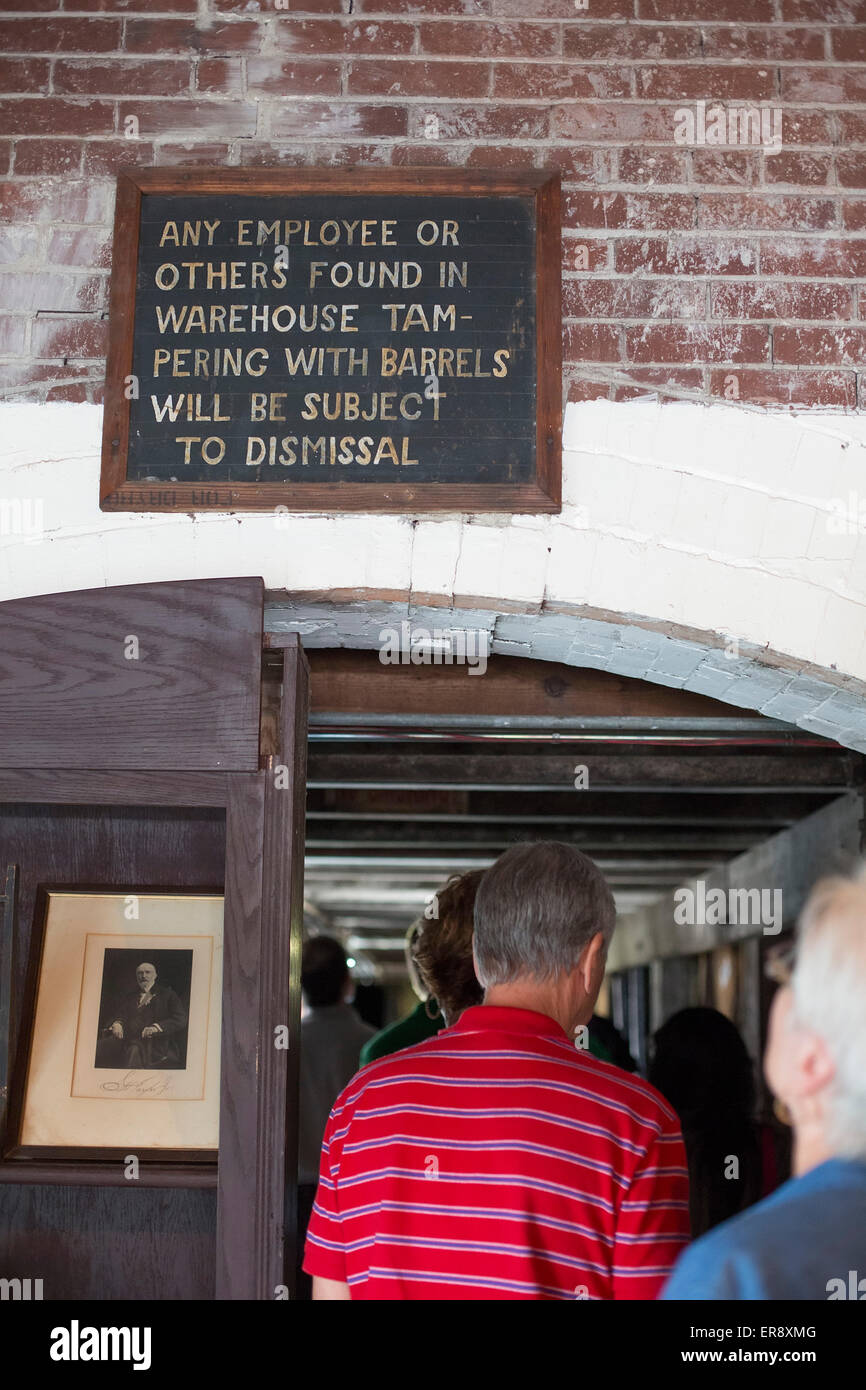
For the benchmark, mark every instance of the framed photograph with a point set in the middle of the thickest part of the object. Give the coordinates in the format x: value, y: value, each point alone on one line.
x: 123, y: 1052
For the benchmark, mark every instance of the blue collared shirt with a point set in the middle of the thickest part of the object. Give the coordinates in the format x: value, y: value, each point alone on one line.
x: 806, y: 1241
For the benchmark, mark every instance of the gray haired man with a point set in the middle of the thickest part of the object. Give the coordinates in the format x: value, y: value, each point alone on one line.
x: 808, y: 1240
x: 498, y: 1160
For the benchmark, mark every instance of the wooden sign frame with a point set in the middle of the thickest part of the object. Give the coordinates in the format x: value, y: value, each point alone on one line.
x: 542, y: 494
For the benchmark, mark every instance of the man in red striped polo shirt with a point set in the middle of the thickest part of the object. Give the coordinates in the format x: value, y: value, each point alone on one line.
x: 499, y: 1160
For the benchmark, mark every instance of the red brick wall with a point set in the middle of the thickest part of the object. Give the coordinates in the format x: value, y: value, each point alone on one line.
x: 695, y: 271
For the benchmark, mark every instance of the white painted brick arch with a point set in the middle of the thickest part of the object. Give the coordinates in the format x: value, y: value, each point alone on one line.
x: 685, y: 528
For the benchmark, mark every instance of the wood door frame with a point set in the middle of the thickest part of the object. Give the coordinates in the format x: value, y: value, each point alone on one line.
x: 264, y: 841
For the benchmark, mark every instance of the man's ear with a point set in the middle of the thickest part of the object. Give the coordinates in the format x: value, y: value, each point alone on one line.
x: 814, y: 1065
x: 592, y: 963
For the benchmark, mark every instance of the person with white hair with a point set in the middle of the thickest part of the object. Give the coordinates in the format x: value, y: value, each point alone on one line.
x: 807, y: 1240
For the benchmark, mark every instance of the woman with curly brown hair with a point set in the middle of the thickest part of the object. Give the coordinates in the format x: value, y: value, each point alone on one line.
x: 439, y: 961
x: 442, y: 949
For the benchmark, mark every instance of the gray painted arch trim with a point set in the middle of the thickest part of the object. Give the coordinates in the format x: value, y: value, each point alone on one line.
x: 820, y: 701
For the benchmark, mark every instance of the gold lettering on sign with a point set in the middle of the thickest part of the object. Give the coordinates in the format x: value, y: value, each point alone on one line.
x: 274, y: 303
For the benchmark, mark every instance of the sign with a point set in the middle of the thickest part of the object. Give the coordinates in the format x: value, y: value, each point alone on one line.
x: 327, y: 341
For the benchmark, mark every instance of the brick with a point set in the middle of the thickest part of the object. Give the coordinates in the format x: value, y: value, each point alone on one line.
x: 46, y: 291
x: 852, y: 127
x: 482, y: 122
x: 70, y: 391
x: 82, y: 338
x: 407, y: 156
x: 660, y: 379
x: 472, y: 9
x: 55, y: 116
x: 711, y: 11
x: 781, y: 300
x: 851, y: 169
x: 5, y: 156
x: 686, y: 256
x: 826, y: 257
x: 820, y: 347
x: 697, y: 343
x: 584, y: 253
x: 637, y: 210
x: 301, y: 155
x: 66, y: 200
x: 481, y: 39
x: 103, y: 158
x: 525, y: 81
x: 705, y: 82
x: 787, y: 388
x: 19, y: 244
x: 264, y: 8
x: 815, y: 11
x: 190, y: 153
x: 619, y: 41
x: 806, y: 127
x: 561, y: 9
x: 725, y: 167
x: 748, y: 211
x: 653, y: 166
x: 634, y: 299
x: 26, y: 76
x: 848, y: 45
x: 395, y: 78
x: 219, y: 75
x: 327, y: 120
x: 47, y: 157
x: 590, y: 342
x: 180, y: 36
x: 625, y: 124
x: 794, y: 167
x: 85, y: 246
x: 501, y: 157
x: 584, y: 390
x: 228, y: 119
x: 830, y: 86
x: 60, y: 35
x: 166, y: 6
x: 159, y: 77
x: 19, y: 377
x: 328, y: 37
x: 775, y: 44
x: 591, y: 164
x: 854, y: 214
x: 13, y: 335
x: 286, y: 78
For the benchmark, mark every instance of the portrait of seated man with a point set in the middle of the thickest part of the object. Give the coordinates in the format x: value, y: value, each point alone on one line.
x: 144, y: 1027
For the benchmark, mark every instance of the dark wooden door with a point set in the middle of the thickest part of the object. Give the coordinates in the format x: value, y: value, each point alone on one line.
x: 150, y: 771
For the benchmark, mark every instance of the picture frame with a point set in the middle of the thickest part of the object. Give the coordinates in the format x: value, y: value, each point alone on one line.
x: 119, y: 1056
x: 496, y: 446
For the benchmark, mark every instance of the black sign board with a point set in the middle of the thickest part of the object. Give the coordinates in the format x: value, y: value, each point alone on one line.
x: 327, y: 341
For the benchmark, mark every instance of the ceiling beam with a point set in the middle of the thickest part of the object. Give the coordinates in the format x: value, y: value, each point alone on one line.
x: 543, y: 771
x: 422, y: 837
x: 621, y: 807
x: 348, y: 682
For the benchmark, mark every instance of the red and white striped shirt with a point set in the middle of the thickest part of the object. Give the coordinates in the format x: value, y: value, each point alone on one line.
x: 496, y: 1161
